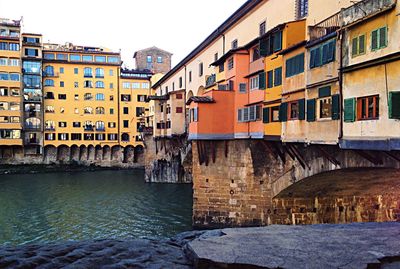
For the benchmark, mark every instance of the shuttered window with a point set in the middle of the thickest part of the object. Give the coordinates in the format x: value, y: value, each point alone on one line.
x: 266, y: 115
x: 283, y: 109
x: 358, y: 46
x: 271, y: 43
x: 295, y: 65
x: 350, y: 110
x: 336, y: 107
x: 324, y: 92
x: 240, y: 115
x: 302, y: 109
x: 368, y: 108
x: 394, y: 105
x: 323, y: 54
x: 270, y: 79
x: 379, y: 38
x: 311, y: 110
x: 278, y: 76
x: 261, y: 81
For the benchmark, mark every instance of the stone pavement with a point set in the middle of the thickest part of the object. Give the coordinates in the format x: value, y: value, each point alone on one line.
x: 370, y: 245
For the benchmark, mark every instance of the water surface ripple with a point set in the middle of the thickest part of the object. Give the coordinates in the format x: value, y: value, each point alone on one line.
x: 90, y: 205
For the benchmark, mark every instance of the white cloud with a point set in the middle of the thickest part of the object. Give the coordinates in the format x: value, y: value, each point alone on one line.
x: 175, y: 25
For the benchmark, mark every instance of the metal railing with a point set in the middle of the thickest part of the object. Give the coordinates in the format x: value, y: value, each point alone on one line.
x: 325, y: 27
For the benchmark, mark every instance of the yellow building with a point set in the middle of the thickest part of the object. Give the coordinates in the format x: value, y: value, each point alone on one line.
x: 134, y: 88
x: 10, y: 83
x: 371, y: 68
x: 81, y: 96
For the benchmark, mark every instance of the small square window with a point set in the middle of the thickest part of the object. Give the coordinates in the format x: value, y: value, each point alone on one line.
x: 62, y: 84
x: 159, y: 59
x: 75, y: 71
x: 61, y: 70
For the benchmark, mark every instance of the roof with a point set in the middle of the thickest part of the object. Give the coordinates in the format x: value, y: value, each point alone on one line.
x: 228, y: 54
x: 158, y: 97
x: 240, y: 13
x: 294, y: 47
x: 200, y: 99
x: 152, y: 48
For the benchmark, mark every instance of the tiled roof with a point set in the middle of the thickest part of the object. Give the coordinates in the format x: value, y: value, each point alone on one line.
x: 200, y: 99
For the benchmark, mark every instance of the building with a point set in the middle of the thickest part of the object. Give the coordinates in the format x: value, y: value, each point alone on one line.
x: 10, y: 84
x: 134, y: 87
x: 371, y: 66
x: 33, y: 116
x: 154, y: 59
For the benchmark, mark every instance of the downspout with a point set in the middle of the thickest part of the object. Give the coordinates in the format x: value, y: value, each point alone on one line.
x: 118, y: 105
x: 184, y: 98
x: 341, y: 118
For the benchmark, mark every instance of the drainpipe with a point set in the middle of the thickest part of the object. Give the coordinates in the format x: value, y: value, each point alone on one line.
x: 184, y: 98
x: 341, y: 35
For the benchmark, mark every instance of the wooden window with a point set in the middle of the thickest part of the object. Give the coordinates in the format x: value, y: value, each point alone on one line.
x: 325, y: 107
x: 262, y: 81
x: 278, y: 76
x: 254, y: 83
x: 263, y: 27
x: 295, y: 65
x: 179, y: 110
x: 349, y: 110
x: 235, y: 44
x: 256, y: 53
x: 379, y: 38
x: 283, y: 112
x: 270, y: 79
x: 201, y: 69
x: 221, y: 67
x: 368, y: 108
x: 242, y: 87
x: 179, y: 96
x: 270, y: 44
x: 323, y: 54
x: 358, y: 46
x: 230, y: 63
x: 266, y: 112
x: 293, y: 111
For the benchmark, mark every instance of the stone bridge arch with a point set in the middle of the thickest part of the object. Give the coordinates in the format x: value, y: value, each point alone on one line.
x: 129, y: 154
x: 74, y: 154
x: 63, y: 154
x: 50, y: 154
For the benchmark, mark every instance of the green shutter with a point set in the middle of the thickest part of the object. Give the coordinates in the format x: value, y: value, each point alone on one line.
x: 354, y: 46
x: 278, y: 76
x: 336, y: 107
x: 301, y: 60
x: 311, y: 110
x: 266, y: 115
x: 324, y: 92
x: 350, y: 110
x: 283, y: 112
x: 302, y: 109
x: 382, y: 37
x: 263, y: 47
x: 394, y: 105
x: 361, y: 44
x: 277, y: 41
x: 312, y: 59
x: 317, y: 61
x: 331, y: 50
x: 325, y: 52
x: 270, y: 76
x: 374, y: 40
x: 261, y: 81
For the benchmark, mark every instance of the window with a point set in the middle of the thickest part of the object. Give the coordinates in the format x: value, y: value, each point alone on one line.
x: 125, y: 97
x: 87, y: 96
x: 76, y: 136
x: 230, y: 63
x: 247, y: 114
x: 126, y: 85
x: 262, y: 28
x: 62, y: 124
x: 87, y: 84
x: 87, y: 72
x: 194, y: 115
x: 62, y: 84
x: 112, y: 137
x: 295, y: 65
x: 15, y: 62
x: 190, y: 76
x: 88, y: 125
x: 275, y: 114
x: 293, y: 110
x: 62, y: 110
x: 221, y: 67
x: 111, y: 73
x: 111, y: 111
x: 145, y: 85
x: 140, y: 111
x: 87, y: 58
x: 201, y: 69
x: 49, y: 109
x: 88, y: 110
x: 179, y: 110
x: 141, y: 98
x: 3, y: 76
x: 99, y: 84
x: 256, y: 53
x: 358, y: 46
x: 149, y: 59
x: 323, y: 54
x: 325, y: 107
x: 74, y: 57
x: 99, y: 97
x: 235, y: 44
x: 61, y: 70
x: 61, y: 56
x: 100, y: 126
x: 76, y: 84
x: 180, y: 82
x: 135, y: 85
x: 215, y: 57
x: 111, y: 85
x: 271, y: 114
x: 99, y: 73
x: 126, y: 110
x: 49, y: 82
x: 100, y: 110
x: 100, y: 59
x: 3, y: 61
x: 112, y: 125
x: 62, y: 97
x: 76, y: 71
x: 14, y: 77
x: 254, y: 83
x: 271, y: 44
x: 76, y: 110
x: 100, y: 137
x: 125, y: 137
x: 126, y: 124
x: 50, y: 125
x: 62, y: 136
x: 368, y: 108
x: 88, y: 137
x: 34, y: 53
x: 111, y: 97
x: 48, y: 56
x: 159, y: 59
x: 112, y: 59
x: 379, y: 39
x: 242, y: 87
x: 278, y: 76
x: 302, y: 8
x: 49, y: 137
x: 394, y: 105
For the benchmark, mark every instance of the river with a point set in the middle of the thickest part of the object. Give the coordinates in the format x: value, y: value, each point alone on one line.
x: 42, y: 208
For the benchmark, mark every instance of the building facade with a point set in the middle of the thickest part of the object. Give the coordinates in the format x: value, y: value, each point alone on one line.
x: 153, y: 59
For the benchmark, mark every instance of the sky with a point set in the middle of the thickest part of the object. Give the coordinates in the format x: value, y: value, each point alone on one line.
x: 177, y: 26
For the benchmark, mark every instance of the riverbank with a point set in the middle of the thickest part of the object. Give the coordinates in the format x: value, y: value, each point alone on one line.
x: 8, y: 169
x: 362, y: 245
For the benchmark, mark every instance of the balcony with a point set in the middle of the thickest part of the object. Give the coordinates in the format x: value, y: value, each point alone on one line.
x: 51, y: 75
x: 325, y: 27
x: 32, y: 114
x: 88, y: 75
x: 32, y: 141
x: 32, y: 86
x: 100, y: 129
x: 32, y: 127
x: 99, y: 76
x: 88, y: 128
x: 211, y: 80
x: 32, y: 98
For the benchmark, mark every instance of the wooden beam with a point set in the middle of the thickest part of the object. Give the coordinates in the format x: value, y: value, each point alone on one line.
x: 392, y: 155
x: 281, y: 153
x: 226, y: 148
x: 300, y: 158
x: 213, y: 151
x: 328, y: 156
x: 368, y: 157
x: 290, y: 152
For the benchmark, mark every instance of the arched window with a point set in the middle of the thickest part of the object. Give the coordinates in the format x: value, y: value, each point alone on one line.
x: 49, y: 109
x: 88, y: 125
x: 87, y: 84
x: 100, y: 126
x: 88, y: 96
x: 125, y: 137
x: 100, y: 84
x: 100, y: 110
x: 99, y: 97
x: 32, y: 123
x: 50, y: 125
x: 88, y: 110
x: 49, y: 82
x: 99, y: 73
x: 49, y: 71
x: 87, y: 72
